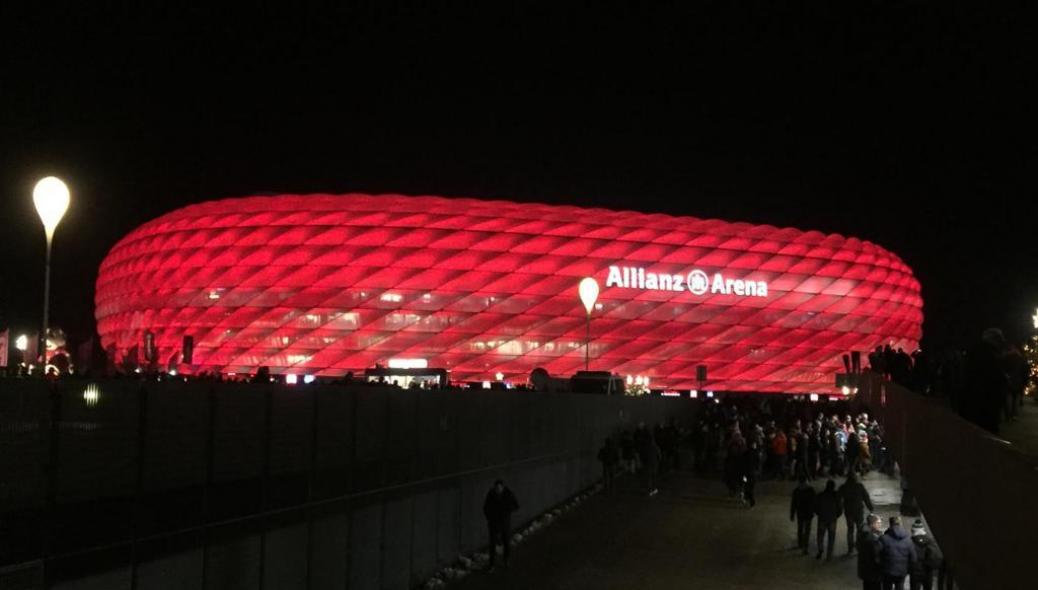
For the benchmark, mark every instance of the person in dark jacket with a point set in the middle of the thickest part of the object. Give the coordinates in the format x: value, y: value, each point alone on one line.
x: 609, y: 455
x: 869, y: 548
x: 649, y: 453
x: 853, y: 451
x: 986, y: 382
x: 855, y: 500
x: 803, y: 509
x: 802, y: 455
x: 828, y: 510
x: 628, y: 452
x: 928, y: 558
x: 814, y: 450
x: 750, y: 467
x: 498, y: 509
x: 897, y: 555
x: 733, y: 464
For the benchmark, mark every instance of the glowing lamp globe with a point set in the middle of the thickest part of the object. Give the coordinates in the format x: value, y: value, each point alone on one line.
x: 588, y: 293
x: 51, y: 198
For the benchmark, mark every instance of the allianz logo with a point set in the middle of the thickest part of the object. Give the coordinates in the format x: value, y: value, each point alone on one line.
x: 695, y: 281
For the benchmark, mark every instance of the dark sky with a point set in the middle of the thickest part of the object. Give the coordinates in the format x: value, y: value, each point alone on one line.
x: 911, y: 126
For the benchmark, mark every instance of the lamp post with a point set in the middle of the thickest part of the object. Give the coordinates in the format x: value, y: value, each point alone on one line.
x: 22, y: 344
x: 588, y: 290
x: 51, y: 198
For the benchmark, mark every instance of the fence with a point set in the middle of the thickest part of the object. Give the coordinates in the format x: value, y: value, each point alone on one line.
x: 978, y: 492
x: 219, y: 485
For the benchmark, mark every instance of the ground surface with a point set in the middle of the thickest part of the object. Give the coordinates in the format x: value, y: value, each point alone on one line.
x: 1023, y: 430
x: 691, y: 535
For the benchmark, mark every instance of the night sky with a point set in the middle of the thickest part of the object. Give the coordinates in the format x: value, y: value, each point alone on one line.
x: 910, y: 126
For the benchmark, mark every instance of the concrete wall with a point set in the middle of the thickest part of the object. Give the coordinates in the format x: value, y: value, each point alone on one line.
x: 359, y: 487
x: 977, y: 491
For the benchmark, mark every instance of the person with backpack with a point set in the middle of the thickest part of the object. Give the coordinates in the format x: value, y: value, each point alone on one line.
x: 928, y: 558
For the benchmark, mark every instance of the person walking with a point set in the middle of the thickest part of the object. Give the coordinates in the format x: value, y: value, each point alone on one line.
x: 928, y: 558
x: 814, y: 451
x: 751, y: 465
x: 649, y: 453
x: 609, y: 455
x: 803, y: 457
x: 1017, y: 373
x: 627, y: 452
x: 897, y: 555
x: 852, y: 450
x: 733, y: 464
x: 869, y: 547
x: 986, y: 382
x: 864, y: 453
x: 779, y: 449
x: 802, y: 508
x: 855, y: 500
x: 793, y: 449
x: 700, y: 436
x: 828, y: 510
x: 498, y: 508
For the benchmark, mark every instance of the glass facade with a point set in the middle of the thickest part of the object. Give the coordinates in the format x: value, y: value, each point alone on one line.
x: 325, y: 284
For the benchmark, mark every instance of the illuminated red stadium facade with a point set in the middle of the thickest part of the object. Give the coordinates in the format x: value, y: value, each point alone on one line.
x: 325, y: 284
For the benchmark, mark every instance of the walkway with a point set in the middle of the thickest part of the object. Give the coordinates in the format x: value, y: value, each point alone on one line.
x: 691, y: 535
x: 1023, y: 431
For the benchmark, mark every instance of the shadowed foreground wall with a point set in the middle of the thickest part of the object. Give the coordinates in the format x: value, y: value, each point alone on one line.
x: 250, y: 486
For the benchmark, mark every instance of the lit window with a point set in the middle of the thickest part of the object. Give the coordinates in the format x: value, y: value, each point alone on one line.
x: 408, y: 363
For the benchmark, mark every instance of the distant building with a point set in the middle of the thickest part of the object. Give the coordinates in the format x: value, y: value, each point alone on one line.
x: 325, y: 284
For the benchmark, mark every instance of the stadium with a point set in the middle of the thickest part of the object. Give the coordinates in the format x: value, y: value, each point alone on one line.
x: 329, y: 284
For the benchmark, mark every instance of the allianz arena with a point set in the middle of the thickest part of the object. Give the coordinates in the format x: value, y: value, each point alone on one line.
x: 326, y: 284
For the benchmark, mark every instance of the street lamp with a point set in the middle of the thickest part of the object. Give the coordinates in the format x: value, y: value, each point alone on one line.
x: 51, y: 199
x: 588, y: 290
x: 22, y: 344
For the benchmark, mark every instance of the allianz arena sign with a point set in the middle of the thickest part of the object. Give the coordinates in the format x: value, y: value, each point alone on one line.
x: 695, y: 281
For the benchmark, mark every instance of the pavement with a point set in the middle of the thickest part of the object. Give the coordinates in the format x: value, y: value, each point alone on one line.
x: 1022, y: 431
x: 690, y: 535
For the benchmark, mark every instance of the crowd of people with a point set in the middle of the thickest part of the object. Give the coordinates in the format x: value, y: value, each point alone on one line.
x: 748, y: 439
x: 644, y: 451
x: 985, y: 383
x: 761, y: 438
x: 885, y: 558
